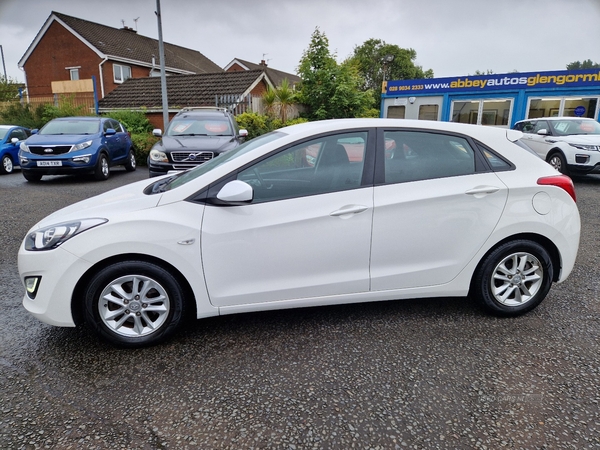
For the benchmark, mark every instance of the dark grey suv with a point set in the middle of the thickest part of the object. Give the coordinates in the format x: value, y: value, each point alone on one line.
x: 194, y: 136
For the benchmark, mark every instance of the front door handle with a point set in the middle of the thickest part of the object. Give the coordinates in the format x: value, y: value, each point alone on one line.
x: 348, y: 210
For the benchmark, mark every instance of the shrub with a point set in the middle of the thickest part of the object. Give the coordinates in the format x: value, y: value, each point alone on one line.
x: 136, y: 122
x: 142, y: 143
x: 256, y: 124
x: 23, y: 115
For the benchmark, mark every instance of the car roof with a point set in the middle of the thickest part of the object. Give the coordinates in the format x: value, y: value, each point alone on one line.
x: 11, y: 126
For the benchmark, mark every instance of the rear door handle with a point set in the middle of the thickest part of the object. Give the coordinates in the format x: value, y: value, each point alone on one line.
x: 348, y: 210
x: 480, y: 191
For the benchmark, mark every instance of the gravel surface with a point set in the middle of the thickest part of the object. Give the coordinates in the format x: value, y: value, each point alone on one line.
x: 426, y: 374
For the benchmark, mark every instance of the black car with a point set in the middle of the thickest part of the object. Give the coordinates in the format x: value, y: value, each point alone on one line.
x: 194, y: 136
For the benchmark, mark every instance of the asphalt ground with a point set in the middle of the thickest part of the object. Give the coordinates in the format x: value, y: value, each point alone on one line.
x: 426, y: 374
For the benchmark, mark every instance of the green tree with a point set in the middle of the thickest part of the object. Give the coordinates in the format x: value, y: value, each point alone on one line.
x: 9, y: 89
x: 377, y: 61
x: 328, y: 89
x: 587, y: 64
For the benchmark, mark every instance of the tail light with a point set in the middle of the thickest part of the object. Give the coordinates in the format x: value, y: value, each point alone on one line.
x: 561, y: 181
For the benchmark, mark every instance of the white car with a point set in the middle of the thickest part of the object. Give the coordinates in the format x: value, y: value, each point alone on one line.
x: 569, y: 144
x: 320, y: 213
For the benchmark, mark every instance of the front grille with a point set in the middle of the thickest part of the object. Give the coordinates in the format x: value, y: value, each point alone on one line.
x: 192, y: 157
x: 56, y: 149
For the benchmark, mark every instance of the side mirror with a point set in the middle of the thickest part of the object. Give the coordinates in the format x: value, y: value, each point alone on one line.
x: 243, y: 133
x: 157, y: 132
x: 110, y: 132
x: 34, y: 131
x: 236, y: 192
x: 14, y: 140
x: 543, y: 132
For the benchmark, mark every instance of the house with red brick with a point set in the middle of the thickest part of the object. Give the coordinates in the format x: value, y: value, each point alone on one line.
x: 70, y: 49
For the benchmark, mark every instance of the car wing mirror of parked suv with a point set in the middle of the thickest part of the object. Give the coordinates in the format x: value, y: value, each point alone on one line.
x: 157, y: 132
x: 543, y: 132
x: 243, y: 133
x: 110, y: 132
x: 34, y: 131
x: 14, y: 140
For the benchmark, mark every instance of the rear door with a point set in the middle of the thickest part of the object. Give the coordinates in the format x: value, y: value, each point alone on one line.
x: 435, y: 204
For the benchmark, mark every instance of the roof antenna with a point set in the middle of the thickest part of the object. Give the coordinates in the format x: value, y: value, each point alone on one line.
x: 135, y: 21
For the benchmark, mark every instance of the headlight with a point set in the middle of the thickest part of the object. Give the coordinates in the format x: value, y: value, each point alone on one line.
x: 591, y: 148
x: 55, y: 235
x: 24, y: 147
x: 158, y: 156
x: 81, y: 146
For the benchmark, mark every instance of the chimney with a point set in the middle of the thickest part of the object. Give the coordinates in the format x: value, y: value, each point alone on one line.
x: 126, y: 28
x: 263, y: 63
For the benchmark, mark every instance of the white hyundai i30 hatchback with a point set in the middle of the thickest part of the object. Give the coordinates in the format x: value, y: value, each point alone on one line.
x: 321, y: 213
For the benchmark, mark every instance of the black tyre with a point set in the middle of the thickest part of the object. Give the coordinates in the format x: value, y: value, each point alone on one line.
x: 131, y: 164
x: 102, y: 171
x: 7, y: 165
x: 514, y: 278
x: 558, y: 161
x: 31, y: 176
x: 134, y: 304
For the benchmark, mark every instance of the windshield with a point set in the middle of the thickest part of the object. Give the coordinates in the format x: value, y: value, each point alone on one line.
x: 71, y: 127
x: 189, y: 126
x: 184, y: 177
x: 571, y: 127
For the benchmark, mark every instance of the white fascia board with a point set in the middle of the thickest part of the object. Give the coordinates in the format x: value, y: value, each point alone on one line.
x: 236, y: 61
x: 258, y: 80
x: 145, y: 64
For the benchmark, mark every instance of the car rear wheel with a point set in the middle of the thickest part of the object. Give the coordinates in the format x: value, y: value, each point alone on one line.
x: 514, y: 278
x: 134, y: 304
x: 7, y: 165
x: 102, y: 170
x: 131, y: 164
x: 31, y: 176
x: 557, y: 160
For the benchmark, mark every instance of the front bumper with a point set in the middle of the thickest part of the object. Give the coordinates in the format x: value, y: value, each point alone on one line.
x: 59, y: 271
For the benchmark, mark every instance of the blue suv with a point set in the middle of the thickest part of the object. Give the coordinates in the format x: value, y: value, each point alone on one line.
x: 71, y: 145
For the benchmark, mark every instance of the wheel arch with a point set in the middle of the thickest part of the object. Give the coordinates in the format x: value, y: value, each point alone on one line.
x: 553, y: 151
x: 539, y: 239
x: 77, y: 303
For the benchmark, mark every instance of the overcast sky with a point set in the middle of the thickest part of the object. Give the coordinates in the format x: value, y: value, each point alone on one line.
x: 452, y: 37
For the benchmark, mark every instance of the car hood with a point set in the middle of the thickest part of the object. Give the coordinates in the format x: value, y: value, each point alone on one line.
x: 125, y: 199
x: 191, y: 143
x: 588, y: 139
x: 58, y: 139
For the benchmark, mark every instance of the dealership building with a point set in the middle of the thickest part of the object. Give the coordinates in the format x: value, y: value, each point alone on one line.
x: 497, y: 99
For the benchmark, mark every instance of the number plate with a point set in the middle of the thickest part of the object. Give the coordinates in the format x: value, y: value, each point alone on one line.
x: 49, y: 163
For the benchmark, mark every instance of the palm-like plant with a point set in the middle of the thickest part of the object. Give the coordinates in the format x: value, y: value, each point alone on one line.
x: 269, y: 99
x: 285, y: 98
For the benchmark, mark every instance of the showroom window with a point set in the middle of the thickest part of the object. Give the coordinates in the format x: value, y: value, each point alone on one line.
x: 396, y: 112
x: 494, y: 112
x: 563, y: 107
x: 121, y: 73
x: 428, y: 112
x: 328, y: 164
x: 413, y: 156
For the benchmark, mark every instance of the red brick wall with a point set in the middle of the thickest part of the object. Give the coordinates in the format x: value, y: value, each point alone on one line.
x: 58, y: 49
x: 235, y: 68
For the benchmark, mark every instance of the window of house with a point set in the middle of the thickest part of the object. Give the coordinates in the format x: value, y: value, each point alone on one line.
x: 74, y: 73
x: 121, y: 73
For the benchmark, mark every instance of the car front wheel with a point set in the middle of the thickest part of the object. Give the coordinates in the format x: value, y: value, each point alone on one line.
x: 7, y: 165
x: 514, y: 278
x: 134, y: 304
x: 557, y: 160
